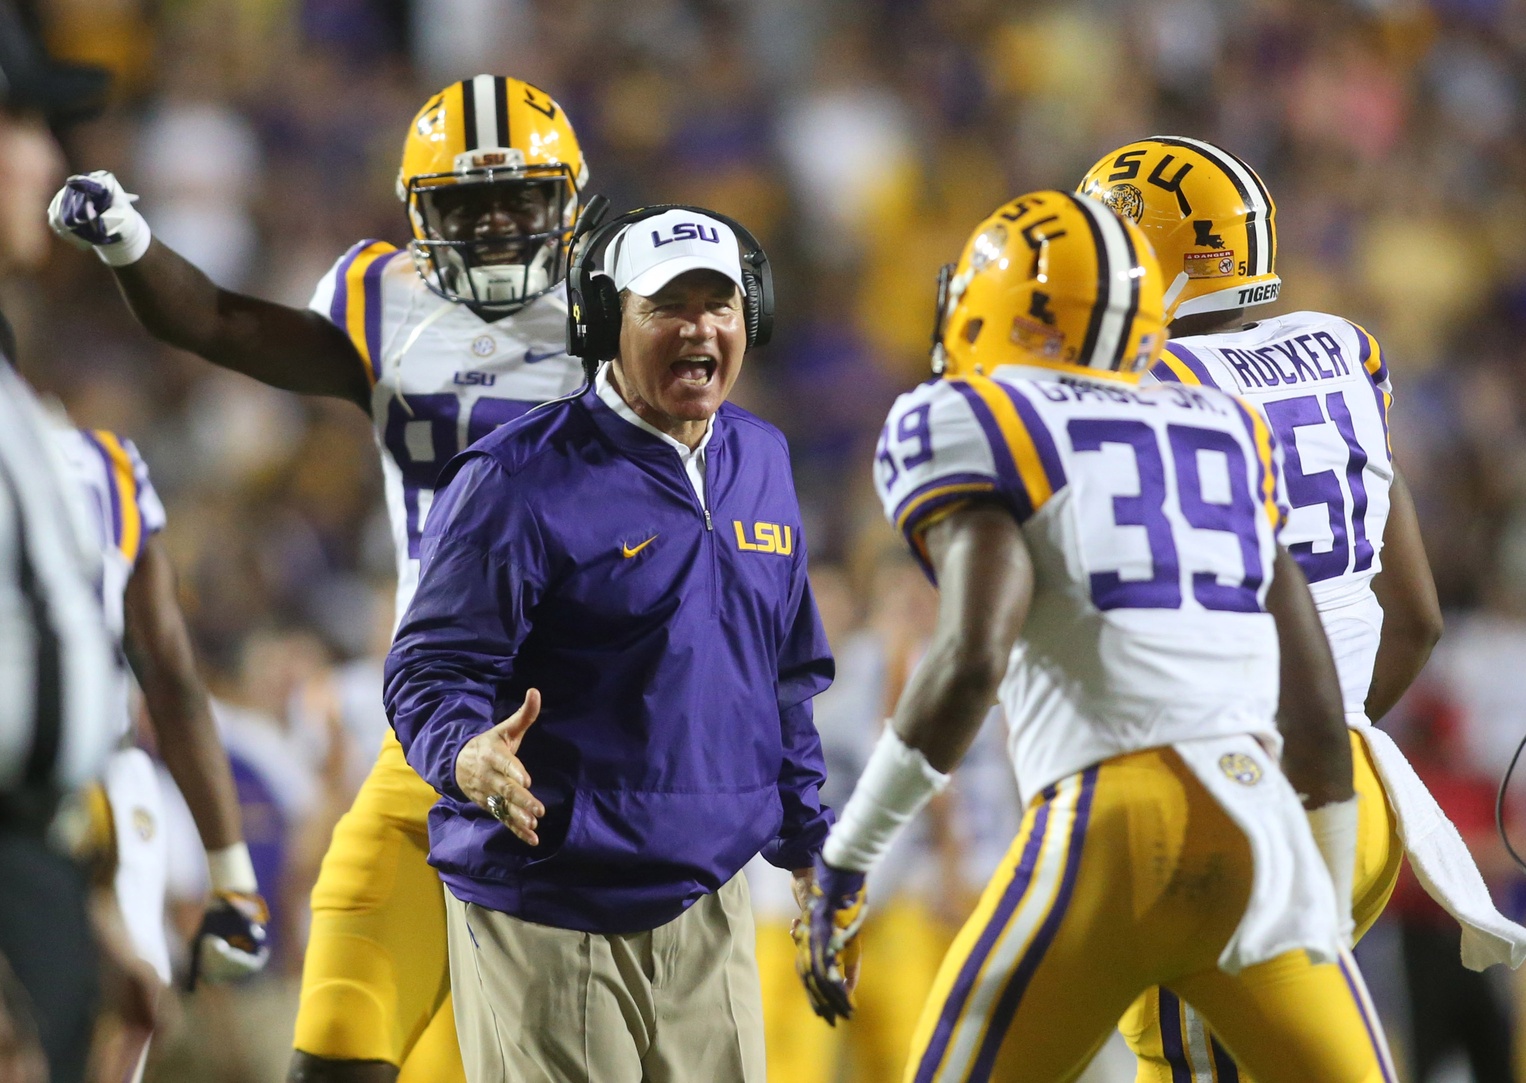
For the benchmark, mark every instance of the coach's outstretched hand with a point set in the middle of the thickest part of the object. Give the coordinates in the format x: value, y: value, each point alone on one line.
x: 95, y: 211
x: 826, y: 941
x: 489, y: 772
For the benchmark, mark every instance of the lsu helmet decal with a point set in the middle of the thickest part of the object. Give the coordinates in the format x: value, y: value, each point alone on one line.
x: 1207, y: 214
x: 491, y: 146
x: 1051, y: 279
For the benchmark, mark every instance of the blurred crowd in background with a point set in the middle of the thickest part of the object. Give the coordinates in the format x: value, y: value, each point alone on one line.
x: 860, y: 140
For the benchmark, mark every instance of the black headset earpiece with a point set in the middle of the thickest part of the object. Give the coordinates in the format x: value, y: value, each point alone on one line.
x: 758, y: 284
x: 582, y: 291
x: 593, y: 303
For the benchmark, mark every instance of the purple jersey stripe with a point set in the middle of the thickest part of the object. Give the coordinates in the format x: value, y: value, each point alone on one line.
x: 918, y: 551
x: 339, y: 306
x: 944, y: 481
x: 1022, y: 876
x: 1012, y: 996
x: 1261, y: 473
x: 1382, y: 401
x: 374, y: 310
x: 1364, y: 343
x: 1006, y: 470
x: 1193, y: 362
x: 1223, y: 1064
x: 1043, y: 443
x: 961, y: 488
x: 1379, y: 1049
x: 111, y: 486
x: 1173, y: 1044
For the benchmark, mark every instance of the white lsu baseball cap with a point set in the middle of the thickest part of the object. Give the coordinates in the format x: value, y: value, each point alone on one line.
x: 646, y: 255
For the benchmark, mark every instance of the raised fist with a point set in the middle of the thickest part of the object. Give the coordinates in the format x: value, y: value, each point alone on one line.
x: 94, y: 211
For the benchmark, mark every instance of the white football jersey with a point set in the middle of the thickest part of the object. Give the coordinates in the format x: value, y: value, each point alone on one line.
x: 123, y: 511
x: 1323, y: 387
x: 1152, y: 516
x: 442, y: 377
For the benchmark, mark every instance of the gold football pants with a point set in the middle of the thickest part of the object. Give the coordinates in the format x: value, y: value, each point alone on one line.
x: 1172, y: 1042
x: 376, y: 977
x: 1126, y: 876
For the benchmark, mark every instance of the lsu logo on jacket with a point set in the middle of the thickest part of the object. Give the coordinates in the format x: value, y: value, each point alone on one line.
x: 766, y: 538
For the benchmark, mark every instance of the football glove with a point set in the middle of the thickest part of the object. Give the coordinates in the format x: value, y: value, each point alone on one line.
x: 94, y: 211
x: 231, y: 942
x: 826, y: 940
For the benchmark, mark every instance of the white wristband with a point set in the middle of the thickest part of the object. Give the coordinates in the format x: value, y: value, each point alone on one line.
x: 133, y: 236
x: 1334, y: 827
x: 231, y: 870
x: 895, y: 785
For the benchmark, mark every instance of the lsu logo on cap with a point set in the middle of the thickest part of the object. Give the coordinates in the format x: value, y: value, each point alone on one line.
x: 687, y: 231
x: 1241, y: 768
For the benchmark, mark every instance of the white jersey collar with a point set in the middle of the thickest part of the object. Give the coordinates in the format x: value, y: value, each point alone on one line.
x: 611, y: 398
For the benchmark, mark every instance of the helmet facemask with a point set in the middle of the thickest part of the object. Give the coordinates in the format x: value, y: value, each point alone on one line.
x: 495, y: 273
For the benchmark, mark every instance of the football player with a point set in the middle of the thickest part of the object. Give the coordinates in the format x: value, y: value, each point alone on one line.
x: 1322, y: 385
x: 1107, y: 554
x: 439, y: 345
x: 138, y: 595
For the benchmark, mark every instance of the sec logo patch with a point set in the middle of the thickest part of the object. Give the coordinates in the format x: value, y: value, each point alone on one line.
x: 484, y: 345
x: 1241, y: 768
x: 143, y: 823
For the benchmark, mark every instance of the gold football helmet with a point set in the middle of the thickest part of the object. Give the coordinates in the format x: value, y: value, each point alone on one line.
x: 491, y: 174
x: 1051, y: 279
x: 1211, y: 220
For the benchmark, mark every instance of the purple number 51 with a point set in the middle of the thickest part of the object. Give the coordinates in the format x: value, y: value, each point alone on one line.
x: 1323, y: 487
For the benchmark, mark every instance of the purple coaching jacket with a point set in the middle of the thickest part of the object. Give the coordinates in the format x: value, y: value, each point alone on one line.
x: 676, y: 653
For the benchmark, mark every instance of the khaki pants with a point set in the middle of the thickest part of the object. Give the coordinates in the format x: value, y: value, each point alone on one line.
x: 678, y: 1004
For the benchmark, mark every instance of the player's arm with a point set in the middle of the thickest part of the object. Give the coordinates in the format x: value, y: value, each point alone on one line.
x: 289, y: 348
x: 231, y: 943
x: 985, y: 584
x: 1411, y: 612
x: 1316, y: 752
x: 159, y: 651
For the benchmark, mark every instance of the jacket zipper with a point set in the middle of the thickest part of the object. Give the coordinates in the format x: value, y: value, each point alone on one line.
x: 704, y: 511
x: 715, y: 564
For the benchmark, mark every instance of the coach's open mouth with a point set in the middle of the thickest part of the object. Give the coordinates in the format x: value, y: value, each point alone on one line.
x: 696, y: 371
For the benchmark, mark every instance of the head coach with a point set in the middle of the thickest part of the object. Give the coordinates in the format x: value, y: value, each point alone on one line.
x: 607, y: 674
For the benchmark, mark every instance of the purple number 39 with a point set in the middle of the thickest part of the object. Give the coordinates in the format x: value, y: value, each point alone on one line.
x: 1163, y: 590
x: 914, y: 425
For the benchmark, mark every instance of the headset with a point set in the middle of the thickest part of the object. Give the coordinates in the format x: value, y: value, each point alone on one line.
x: 1499, y: 806
x: 593, y: 305
x: 939, y: 356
